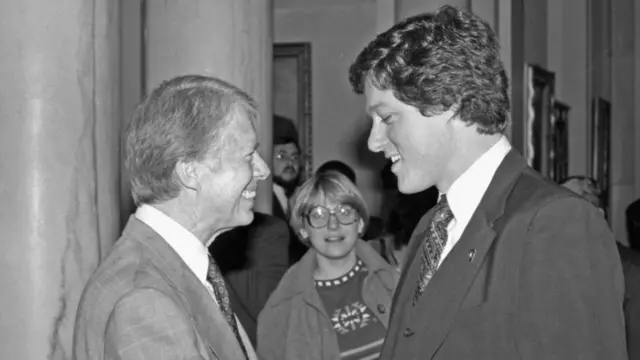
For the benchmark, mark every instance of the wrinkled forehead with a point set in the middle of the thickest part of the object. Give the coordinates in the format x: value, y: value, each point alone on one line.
x: 240, y: 133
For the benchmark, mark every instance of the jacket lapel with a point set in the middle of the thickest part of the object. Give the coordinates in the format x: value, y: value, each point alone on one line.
x: 207, y: 316
x: 445, y: 293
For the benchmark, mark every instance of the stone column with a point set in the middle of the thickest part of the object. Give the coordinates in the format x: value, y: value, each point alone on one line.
x: 231, y: 40
x: 59, y: 162
x: 406, y: 8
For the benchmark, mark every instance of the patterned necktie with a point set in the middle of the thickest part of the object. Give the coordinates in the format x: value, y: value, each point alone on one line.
x: 433, y: 244
x: 214, y: 277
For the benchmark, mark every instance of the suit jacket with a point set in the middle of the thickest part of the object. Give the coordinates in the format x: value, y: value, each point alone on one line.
x: 252, y: 259
x: 631, y: 269
x: 535, y: 275
x: 296, y: 248
x: 143, y: 302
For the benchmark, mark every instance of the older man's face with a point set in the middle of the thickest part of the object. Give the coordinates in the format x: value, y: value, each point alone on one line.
x: 232, y: 182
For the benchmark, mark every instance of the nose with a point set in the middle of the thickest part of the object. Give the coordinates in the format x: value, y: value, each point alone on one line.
x: 377, y: 136
x: 260, y: 170
x: 333, y: 222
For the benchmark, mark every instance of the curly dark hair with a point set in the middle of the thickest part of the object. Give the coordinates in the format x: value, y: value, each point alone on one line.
x: 440, y: 61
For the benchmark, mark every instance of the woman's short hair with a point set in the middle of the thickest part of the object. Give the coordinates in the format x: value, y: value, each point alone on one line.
x: 329, y: 185
x: 183, y: 119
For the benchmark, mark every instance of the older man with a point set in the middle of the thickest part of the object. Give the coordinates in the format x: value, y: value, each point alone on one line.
x: 191, y: 150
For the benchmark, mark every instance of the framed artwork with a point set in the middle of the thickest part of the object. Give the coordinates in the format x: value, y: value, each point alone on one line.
x: 538, y: 94
x: 559, y: 146
x: 292, y: 93
x: 601, y: 147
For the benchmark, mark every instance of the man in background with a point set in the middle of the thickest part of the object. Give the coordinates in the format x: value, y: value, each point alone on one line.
x: 191, y: 152
x: 287, y: 169
x: 286, y: 164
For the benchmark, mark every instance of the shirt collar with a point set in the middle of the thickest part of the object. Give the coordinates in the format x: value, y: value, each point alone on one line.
x: 189, y: 248
x: 281, y: 196
x: 467, y: 191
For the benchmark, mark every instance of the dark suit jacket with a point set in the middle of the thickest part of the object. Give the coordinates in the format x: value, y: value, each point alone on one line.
x: 535, y: 275
x: 252, y: 259
x: 296, y: 248
x: 143, y: 302
x: 631, y: 269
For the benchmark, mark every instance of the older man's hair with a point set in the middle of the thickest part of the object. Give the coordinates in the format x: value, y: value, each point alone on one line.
x: 183, y: 119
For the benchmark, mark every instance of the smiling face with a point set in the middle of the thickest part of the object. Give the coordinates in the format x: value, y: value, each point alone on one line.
x: 229, y: 180
x: 420, y: 147
x: 332, y: 229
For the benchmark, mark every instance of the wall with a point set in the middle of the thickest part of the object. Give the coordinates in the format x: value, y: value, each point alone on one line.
x: 569, y: 58
x: 340, y: 125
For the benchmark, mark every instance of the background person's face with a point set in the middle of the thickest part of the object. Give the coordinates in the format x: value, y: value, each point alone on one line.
x: 286, y: 163
x: 335, y: 240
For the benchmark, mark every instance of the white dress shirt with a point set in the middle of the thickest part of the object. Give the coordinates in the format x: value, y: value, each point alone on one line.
x: 465, y: 193
x: 282, y: 197
x: 191, y: 250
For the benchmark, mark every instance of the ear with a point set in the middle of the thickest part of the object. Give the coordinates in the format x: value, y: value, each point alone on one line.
x: 304, y: 233
x: 189, y: 174
x: 361, y: 227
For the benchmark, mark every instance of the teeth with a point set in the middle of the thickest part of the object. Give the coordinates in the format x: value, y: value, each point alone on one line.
x: 334, y: 238
x: 249, y: 194
x: 395, y: 158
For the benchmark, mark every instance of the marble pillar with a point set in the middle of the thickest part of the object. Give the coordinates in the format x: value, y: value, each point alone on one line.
x: 623, y: 161
x: 232, y: 40
x: 59, y: 162
x: 406, y: 8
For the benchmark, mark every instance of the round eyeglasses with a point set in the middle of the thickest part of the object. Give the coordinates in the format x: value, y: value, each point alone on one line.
x: 318, y: 217
x: 294, y: 158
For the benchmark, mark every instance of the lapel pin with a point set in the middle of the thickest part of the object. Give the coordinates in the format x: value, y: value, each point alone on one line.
x: 472, y: 254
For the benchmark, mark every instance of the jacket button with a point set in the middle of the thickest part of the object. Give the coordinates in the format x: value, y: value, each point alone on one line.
x: 381, y: 309
x: 407, y: 332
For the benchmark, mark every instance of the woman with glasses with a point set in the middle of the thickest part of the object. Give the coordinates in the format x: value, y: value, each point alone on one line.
x: 335, y: 302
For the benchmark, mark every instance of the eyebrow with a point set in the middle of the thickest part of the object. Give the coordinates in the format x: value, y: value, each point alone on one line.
x: 373, y: 107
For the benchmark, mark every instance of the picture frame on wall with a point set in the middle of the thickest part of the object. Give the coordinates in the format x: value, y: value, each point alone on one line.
x: 292, y: 94
x: 538, y: 99
x: 601, y: 147
x: 559, y: 145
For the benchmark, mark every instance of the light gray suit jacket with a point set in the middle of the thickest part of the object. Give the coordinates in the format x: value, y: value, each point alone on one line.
x: 143, y: 302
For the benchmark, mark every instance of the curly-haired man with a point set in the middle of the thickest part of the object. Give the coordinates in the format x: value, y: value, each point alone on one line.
x: 507, y: 265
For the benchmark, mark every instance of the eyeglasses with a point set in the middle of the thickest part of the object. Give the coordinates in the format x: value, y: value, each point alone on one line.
x: 285, y: 156
x: 318, y: 217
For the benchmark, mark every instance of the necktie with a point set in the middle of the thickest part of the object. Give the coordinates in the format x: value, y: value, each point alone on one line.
x: 214, y: 277
x: 433, y: 244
